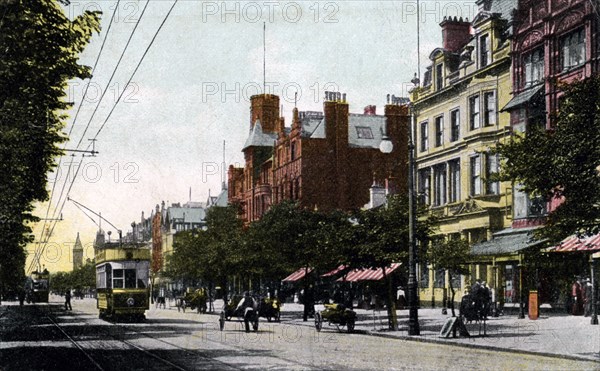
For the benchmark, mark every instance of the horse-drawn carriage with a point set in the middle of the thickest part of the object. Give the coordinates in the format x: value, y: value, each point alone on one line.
x: 337, y: 315
x: 246, y: 313
x: 195, y: 300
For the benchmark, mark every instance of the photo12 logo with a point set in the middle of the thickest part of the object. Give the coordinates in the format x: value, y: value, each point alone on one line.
x: 437, y: 11
x: 289, y: 92
x: 269, y: 11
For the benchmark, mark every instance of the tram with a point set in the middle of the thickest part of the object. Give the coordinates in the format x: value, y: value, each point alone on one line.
x: 38, y: 286
x: 122, y: 281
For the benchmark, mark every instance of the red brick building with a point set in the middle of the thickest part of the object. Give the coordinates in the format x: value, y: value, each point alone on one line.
x: 554, y: 42
x: 326, y: 160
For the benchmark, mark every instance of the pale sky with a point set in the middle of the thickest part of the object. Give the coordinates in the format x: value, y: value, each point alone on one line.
x: 192, y: 92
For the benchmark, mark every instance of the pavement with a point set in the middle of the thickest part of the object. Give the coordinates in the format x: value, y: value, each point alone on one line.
x: 552, y: 334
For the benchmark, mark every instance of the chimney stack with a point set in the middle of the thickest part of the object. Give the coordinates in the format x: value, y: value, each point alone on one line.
x: 456, y: 33
x: 371, y: 110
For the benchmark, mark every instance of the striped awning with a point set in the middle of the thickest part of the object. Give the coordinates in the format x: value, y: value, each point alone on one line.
x: 368, y: 274
x: 574, y: 243
x: 335, y: 271
x: 297, y: 275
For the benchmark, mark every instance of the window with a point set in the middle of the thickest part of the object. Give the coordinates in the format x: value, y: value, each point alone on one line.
x: 572, y: 49
x: 454, y: 184
x: 454, y: 125
x: 118, y: 278
x: 489, y: 108
x: 525, y: 205
x: 491, y: 167
x: 364, y: 132
x: 293, y: 150
x: 440, y: 278
x: 424, y: 136
x: 424, y: 186
x: 439, y: 76
x: 534, y: 66
x: 475, y: 169
x: 439, y: 131
x: 474, y: 112
x: 439, y: 185
x: 484, y: 50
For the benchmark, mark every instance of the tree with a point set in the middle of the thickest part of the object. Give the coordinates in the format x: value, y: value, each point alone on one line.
x: 453, y: 256
x: 561, y: 164
x: 291, y: 237
x: 40, y: 47
x: 380, y: 238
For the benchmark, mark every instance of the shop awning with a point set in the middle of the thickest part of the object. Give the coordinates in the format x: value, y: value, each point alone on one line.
x: 297, y: 275
x: 523, y: 97
x: 368, y: 274
x: 574, y: 243
x: 505, y: 242
x: 335, y: 271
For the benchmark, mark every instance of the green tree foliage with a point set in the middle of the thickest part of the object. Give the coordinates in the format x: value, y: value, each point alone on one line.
x: 453, y: 256
x: 213, y: 254
x: 39, y: 49
x: 80, y: 279
x: 561, y: 164
x: 379, y: 238
x: 289, y: 237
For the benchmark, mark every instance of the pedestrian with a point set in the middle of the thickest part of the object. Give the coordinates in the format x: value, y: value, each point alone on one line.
x: 486, y: 298
x: 576, y: 294
x: 21, y: 296
x: 68, y: 300
x: 587, y: 297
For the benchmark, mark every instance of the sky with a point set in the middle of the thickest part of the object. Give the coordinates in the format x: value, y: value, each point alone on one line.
x: 191, y: 93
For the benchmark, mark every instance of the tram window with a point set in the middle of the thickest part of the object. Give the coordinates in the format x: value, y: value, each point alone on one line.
x: 141, y: 284
x: 130, y: 278
x: 117, y: 278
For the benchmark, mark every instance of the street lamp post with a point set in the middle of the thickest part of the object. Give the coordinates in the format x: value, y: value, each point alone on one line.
x: 386, y: 146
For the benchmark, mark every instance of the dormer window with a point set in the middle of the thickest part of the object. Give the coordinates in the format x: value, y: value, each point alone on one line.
x: 439, y: 76
x: 484, y: 50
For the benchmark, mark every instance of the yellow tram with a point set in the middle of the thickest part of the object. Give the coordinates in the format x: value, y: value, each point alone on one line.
x: 122, y: 281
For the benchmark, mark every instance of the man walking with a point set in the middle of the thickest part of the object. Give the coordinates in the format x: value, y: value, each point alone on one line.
x: 68, y: 300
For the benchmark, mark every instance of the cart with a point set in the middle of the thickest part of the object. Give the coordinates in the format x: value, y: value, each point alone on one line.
x: 337, y: 315
x: 248, y: 316
x: 270, y: 309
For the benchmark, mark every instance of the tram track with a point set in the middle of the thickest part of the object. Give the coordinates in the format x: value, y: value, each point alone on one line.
x: 204, y: 338
x: 126, y: 342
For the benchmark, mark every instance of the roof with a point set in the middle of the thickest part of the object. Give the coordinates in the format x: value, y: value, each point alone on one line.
x: 258, y: 138
x: 506, y: 242
x: 297, y: 275
x: 186, y: 214
x: 504, y: 7
x: 574, y: 243
x: 221, y: 199
x: 335, y: 271
x: 376, y: 125
x: 368, y: 274
x: 523, y: 97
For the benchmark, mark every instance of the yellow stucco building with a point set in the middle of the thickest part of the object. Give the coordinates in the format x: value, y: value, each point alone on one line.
x: 458, y: 120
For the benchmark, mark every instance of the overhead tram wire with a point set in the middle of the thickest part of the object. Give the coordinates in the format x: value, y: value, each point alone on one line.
x: 118, y: 100
x: 136, y: 68
x: 75, y: 118
x: 103, y: 93
x: 113, y: 73
x: 97, y: 105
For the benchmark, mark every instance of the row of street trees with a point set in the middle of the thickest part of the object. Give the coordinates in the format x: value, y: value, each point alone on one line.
x: 39, y: 47
x: 80, y: 279
x: 289, y: 237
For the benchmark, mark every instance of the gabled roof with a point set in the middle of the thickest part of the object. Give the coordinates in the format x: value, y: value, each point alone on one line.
x: 221, y: 199
x: 258, y: 138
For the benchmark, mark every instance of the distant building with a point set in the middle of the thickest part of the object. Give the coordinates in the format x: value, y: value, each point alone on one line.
x: 326, y: 160
x: 77, y: 253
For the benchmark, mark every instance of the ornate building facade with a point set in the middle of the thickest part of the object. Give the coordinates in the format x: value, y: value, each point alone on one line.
x: 458, y: 123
